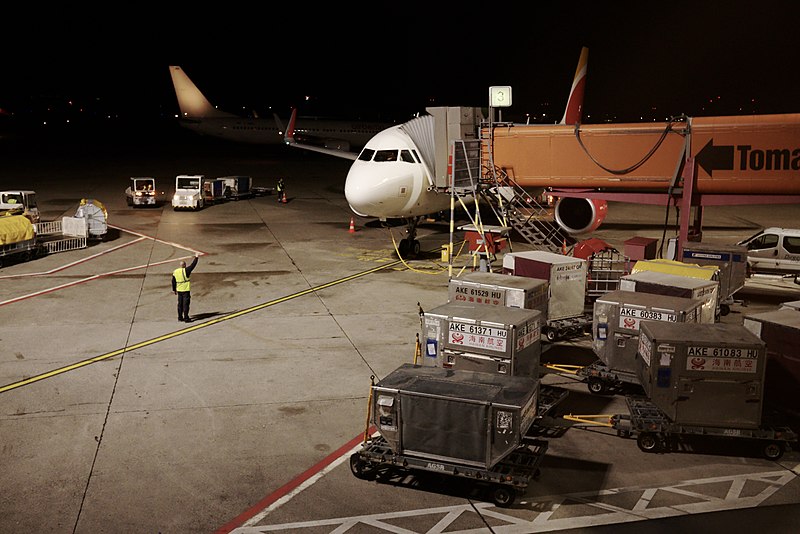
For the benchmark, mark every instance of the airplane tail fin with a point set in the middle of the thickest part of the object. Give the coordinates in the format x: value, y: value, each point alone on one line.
x: 573, y: 114
x: 191, y: 101
x: 288, y: 136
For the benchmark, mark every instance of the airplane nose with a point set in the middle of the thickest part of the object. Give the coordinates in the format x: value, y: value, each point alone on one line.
x: 376, y: 194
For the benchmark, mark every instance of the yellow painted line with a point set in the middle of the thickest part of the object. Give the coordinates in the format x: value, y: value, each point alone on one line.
x: 102, y: 357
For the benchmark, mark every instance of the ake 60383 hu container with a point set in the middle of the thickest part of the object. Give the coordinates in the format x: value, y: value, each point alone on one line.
x: 677, y: 286
x: 466, y: 417
x: 499, y: 290
x: 706, y: 375
x: 492, y: 339
x: 780, y: 330
x: 618, y: 316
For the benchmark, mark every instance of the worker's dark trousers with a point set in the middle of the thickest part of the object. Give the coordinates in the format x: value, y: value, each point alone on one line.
x: 184, y: 298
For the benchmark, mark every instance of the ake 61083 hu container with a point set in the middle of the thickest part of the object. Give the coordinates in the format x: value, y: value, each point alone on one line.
x: 618, y: 316
x: 492, y: 339
x: 466, y: 417
x: 706, y: 375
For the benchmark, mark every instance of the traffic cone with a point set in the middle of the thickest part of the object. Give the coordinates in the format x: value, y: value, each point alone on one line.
x: 564, y: 247
x: 352, y: 226
x: 284, y: 198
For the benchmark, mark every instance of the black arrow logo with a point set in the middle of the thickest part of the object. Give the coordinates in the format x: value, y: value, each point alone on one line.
x: 715, y: 158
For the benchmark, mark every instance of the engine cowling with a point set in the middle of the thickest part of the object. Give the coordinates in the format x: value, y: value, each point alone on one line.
x: 580, y: 215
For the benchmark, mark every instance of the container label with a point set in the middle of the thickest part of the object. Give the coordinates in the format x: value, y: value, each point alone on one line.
x: 527, y: 335
x: 476, y: 336
x: 722, y: 359
x: 645, y: 349
x: 479, y: 296
x: 629, y: 318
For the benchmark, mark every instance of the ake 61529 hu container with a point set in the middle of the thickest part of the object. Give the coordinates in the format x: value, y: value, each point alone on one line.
x: 706, y: 375
x: 499, y: 290
x: 465, y: 417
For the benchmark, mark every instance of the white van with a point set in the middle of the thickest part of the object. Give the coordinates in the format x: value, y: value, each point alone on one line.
x: 773, y: 250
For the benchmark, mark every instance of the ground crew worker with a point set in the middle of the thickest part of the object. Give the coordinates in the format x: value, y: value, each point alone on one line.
x: 181, y: 287
x: 281, y: 191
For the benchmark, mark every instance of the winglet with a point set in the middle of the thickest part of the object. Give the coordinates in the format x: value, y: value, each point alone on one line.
x: 573, y: 114
x: 288, y: 137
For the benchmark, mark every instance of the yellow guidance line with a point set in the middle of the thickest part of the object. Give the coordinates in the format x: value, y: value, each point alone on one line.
x: 102, y: 357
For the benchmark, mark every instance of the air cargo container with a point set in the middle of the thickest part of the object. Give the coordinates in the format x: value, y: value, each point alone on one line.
x: 706, y: 375
x: 618, y: 316
x: 451, y: 415
x: 566, y: 278
x: 499, y: 290
x: 731, y: 261
x: 237, y: 187
x: 454, y: 423
x: 780, y: 330
x: 492, y: 339
x: 677, y: 286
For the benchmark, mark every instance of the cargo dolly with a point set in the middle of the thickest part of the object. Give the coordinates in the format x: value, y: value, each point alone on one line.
x: 655, y: 432
x: 508, y: 478
x: 600, y: 379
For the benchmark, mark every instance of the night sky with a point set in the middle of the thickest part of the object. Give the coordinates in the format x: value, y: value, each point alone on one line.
x: 390, y: 60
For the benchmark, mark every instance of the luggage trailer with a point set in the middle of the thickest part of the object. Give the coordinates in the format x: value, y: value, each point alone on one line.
x: 505, y: 479
x: 655, y: 432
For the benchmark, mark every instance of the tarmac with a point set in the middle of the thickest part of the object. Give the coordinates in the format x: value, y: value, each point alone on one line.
x: 115, y: 417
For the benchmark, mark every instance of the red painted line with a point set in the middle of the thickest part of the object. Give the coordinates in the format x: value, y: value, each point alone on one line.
x: 290, y: 486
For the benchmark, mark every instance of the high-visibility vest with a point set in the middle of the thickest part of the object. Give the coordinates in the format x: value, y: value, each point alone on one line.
x: 182, y: 281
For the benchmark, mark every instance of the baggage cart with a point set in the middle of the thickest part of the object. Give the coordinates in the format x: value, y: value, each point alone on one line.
x: 655, y: 432
x: 458, y: 444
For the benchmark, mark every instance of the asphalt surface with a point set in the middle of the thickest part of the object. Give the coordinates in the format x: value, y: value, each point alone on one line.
x: 115, y: 417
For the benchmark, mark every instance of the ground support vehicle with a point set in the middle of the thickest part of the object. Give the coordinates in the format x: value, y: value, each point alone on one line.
x: 188, y: 192
x: 656, y: 433
x: 141, y: 192
x: 505, y: 480
x: 20, y: 240
x: 11, y: 201
x: 262, y: 191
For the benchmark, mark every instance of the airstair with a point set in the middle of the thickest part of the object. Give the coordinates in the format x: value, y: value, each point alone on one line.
x: 474, y: 177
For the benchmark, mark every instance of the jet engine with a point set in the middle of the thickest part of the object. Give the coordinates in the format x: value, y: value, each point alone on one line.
x: 580, y: 215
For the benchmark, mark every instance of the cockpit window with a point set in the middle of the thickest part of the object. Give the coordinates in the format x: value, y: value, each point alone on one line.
x: 366, y: 154
x: 416, y: 156
x: 386, y: 155
x: 405, y: 155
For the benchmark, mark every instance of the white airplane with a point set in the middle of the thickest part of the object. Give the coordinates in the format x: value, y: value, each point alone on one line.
x: 199, y: 115
x: 392, y: 177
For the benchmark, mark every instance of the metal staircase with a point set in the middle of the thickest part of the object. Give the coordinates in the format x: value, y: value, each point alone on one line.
x: 474, y: 175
